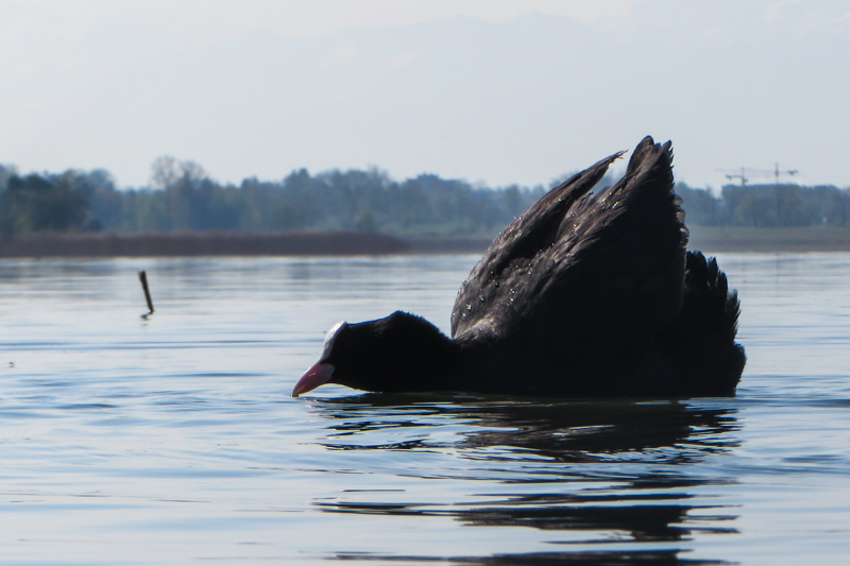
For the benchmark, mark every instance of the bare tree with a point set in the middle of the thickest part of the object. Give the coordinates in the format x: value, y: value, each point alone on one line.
x: 167, y: 170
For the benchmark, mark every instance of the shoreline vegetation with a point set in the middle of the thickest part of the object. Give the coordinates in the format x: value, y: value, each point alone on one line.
x: 709, y: 239
x: 185, y: 213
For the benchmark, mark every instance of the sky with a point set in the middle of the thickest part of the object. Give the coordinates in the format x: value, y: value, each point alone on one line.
x: 496, y: 92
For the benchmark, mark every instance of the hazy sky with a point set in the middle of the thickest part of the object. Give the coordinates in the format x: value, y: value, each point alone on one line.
x: 495, y: 91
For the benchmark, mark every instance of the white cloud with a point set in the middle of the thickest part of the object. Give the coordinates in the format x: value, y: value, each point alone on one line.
x: 212, y: 20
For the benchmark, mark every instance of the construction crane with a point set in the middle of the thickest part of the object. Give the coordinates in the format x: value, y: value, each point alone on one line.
x: 741, y: 177
x: 746, y: 174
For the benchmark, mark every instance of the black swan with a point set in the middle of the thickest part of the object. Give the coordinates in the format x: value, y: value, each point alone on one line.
x: 583, y: 295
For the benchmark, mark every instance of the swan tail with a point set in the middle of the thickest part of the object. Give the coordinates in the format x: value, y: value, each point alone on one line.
x: 700, y: 341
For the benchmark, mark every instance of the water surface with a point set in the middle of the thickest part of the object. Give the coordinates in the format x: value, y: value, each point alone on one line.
x: 173, y: 440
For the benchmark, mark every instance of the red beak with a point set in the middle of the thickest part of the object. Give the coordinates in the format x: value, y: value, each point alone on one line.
x: 319, y: 374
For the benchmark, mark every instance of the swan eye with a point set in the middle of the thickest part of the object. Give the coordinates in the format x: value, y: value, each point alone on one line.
x: 330, y: 338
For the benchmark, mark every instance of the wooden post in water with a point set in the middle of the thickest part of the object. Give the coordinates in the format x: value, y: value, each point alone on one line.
x: 144, y: 279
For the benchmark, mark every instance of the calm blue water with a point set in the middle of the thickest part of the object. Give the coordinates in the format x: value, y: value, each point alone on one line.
x: 174, y: 440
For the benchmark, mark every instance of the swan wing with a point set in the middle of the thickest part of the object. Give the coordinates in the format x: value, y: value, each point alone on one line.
x: 484, y: 294
x: 583, y: 276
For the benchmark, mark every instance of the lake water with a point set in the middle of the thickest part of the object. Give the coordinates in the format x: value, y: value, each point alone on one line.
x: 174, y: 440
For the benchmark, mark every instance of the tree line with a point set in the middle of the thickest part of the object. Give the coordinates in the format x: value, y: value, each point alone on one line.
x: 182, y: 197
x: 767, y: 205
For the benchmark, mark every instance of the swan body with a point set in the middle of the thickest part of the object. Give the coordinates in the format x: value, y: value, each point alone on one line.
x: 583, y: 295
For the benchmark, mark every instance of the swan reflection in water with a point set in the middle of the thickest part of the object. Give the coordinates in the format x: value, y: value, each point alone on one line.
x: 604, y: 473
